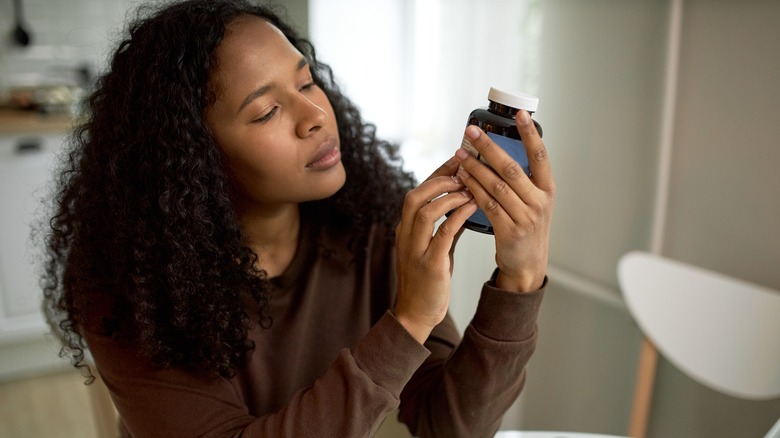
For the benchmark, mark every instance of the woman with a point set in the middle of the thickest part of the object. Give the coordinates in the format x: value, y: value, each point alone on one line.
x: 225, y: 245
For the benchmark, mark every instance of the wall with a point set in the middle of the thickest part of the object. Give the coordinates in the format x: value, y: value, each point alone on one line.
x: 72, y: 33
x: 724, y: 208
x: 64, y: 34
x: 602, y: 83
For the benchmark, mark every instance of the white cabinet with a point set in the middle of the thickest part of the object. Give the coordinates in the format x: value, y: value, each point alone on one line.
x: 26, y: 164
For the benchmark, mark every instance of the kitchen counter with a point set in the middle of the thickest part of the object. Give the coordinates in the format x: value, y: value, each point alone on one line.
x: 29, y: 122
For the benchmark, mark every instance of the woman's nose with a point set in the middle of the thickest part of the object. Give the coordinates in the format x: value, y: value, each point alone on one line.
x: 311, y: 116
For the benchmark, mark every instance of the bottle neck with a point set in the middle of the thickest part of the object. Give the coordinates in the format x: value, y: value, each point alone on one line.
x: 503, y: 110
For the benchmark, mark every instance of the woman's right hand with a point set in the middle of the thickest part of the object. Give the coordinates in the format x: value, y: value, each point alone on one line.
x: 423, y: 257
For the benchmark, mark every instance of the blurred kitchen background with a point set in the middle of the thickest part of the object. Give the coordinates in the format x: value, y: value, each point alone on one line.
x: 660, y: 116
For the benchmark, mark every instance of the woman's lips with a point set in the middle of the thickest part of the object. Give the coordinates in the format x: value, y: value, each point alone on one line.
x: 327, y: 156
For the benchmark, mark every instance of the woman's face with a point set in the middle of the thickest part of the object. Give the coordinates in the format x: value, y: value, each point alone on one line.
x: 276, y: 128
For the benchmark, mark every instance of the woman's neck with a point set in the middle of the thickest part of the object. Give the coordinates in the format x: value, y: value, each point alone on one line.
x: 273, y: 235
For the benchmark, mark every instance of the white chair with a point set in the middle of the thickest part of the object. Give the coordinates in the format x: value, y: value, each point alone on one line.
x: 720, y: 331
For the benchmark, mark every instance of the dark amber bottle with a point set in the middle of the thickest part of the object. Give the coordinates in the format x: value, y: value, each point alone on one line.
x: 498, y: 121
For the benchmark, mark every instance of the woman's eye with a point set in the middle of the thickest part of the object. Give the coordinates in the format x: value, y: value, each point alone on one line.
x: 268, y: 116
x: 307, y: 86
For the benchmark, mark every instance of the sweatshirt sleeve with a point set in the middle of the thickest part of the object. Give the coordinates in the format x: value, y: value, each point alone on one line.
x: 464, y: 387
x: 350, y: 399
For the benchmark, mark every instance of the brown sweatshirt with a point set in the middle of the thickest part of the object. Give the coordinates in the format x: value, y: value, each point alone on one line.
x: 335, y: 361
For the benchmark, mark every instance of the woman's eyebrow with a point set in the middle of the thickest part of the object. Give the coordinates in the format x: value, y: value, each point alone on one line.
x: 266, y: 88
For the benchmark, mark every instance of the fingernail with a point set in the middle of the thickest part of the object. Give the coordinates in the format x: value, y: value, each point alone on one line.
x: 456, y: 180
x: 467, y: 194
x: 472, y: 132
x: 524, y: 117
x: 462, y: 173
x: 462, y: 153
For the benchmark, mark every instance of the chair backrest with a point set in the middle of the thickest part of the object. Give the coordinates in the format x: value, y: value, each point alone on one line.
x: 721, y: 331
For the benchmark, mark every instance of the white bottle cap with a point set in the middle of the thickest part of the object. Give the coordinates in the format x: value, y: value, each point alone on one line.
x: 519, y: 100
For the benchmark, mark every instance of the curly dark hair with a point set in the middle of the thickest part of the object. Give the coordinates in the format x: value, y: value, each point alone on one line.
x: 142, y: 216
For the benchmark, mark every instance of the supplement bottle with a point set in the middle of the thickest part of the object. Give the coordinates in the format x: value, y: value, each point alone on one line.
x: 498, y: 121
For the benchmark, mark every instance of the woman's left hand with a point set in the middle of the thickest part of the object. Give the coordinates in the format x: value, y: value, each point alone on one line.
x: 424, y: 252
x: 519, y: 207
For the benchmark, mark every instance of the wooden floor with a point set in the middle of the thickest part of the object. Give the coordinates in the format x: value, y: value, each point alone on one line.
x: 57, y: 406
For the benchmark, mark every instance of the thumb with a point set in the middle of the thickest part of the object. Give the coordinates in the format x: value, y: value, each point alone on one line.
x: 452, y: 248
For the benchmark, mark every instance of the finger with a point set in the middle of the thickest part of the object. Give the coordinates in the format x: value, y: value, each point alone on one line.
x: 449, y: 231
x: 457, y: 237
x: 511, y: 187
x: 536, y: 151
x: 494, y: 194
x: 447, y: 169
x: 461, y: 229
x: 427, y: 216
x: 501, y: 162
x: 422, y: 195
x: 495, y: 209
